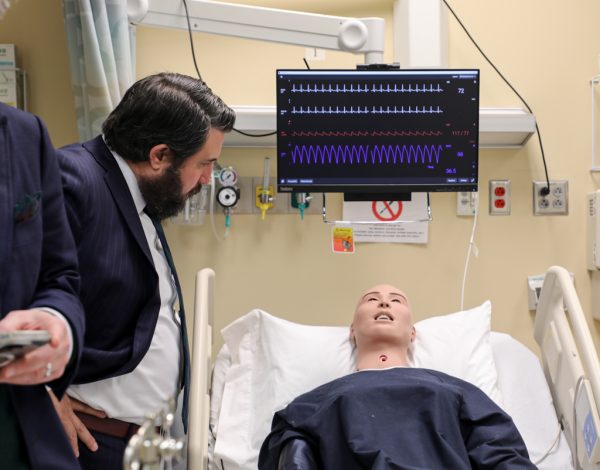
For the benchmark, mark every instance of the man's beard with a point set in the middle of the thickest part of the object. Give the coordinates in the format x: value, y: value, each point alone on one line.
x: 163, y: 195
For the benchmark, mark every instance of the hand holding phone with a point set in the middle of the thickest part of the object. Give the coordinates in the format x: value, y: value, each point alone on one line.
x: 42, y: 363
x: 15, y: 344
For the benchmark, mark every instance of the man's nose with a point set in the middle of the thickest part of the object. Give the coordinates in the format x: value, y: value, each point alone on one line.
x: 206, y: 174
x: 384, y: 304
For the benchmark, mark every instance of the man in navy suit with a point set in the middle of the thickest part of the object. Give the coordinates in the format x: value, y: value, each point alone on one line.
x: 39, y: 285
x: 157, y: 149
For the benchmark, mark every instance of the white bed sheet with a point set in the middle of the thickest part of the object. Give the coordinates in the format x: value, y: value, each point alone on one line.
x: 527, y: 399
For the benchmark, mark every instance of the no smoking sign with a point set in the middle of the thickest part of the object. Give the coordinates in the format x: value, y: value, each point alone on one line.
x: 387, y: 211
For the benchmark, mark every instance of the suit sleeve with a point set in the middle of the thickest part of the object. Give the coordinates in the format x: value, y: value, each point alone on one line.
x: 491, y: 438
x: 58, y: 282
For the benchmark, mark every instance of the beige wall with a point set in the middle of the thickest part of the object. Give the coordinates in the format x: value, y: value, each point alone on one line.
x: 37, y: 28
x: 548, y: 50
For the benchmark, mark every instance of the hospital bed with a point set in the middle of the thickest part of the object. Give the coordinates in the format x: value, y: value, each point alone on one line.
x: 553, y: 404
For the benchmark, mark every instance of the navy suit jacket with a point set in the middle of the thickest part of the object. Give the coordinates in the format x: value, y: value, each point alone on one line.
x: 38, y: 268
x: 119, y: 285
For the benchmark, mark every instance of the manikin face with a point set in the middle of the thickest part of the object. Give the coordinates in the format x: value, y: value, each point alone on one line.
x: 383, y: 315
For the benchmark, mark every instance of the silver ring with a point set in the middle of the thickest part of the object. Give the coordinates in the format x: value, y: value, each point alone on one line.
x: 48, y: 371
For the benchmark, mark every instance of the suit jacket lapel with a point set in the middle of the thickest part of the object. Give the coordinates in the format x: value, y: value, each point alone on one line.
x: 118, y: 187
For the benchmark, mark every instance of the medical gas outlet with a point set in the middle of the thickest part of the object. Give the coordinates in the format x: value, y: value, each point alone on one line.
x: 499, y: 197
x: 301, y: 201
x: 265, y: 193
x: 228, y: 194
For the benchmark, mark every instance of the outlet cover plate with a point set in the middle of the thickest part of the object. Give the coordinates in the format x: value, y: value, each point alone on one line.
x: 556, y: 202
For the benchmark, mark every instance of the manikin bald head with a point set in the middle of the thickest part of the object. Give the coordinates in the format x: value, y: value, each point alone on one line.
x: 382, y: 327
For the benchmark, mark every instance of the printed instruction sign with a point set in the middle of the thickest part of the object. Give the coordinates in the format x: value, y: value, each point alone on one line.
x: 389, y: 211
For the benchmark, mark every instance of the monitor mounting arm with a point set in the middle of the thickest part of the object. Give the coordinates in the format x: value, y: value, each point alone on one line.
x: 354, y: 35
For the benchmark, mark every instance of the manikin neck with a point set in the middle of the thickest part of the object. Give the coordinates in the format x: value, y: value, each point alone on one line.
x: 381, y: 358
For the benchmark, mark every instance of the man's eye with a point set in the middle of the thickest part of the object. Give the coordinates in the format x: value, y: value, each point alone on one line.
x: 372, y: 298
x: 397, y: 300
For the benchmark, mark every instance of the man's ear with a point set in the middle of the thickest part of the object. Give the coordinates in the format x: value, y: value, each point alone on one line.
x: 160, y: 157
x: 413, y: 334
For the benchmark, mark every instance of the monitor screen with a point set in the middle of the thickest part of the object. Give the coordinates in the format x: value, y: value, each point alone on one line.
x: 377, y: 131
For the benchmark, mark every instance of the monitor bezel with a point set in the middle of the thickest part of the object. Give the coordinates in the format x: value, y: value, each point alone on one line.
x: 380, y: 189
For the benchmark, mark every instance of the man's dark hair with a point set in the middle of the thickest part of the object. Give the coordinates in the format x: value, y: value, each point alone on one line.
x: 167, y: 108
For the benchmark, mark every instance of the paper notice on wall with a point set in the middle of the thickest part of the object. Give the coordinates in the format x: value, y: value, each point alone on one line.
x: 409, y: 231
x: 8, y: 75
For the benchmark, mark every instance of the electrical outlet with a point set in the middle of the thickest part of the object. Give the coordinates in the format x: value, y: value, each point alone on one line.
x: 500, y: 197
x: 556, y: 202
x: 466, y: 203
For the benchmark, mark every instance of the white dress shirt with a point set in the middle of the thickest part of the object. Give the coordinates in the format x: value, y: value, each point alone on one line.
x: 131, y: 397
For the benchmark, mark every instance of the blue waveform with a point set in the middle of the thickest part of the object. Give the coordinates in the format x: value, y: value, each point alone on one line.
x: 364, y: 154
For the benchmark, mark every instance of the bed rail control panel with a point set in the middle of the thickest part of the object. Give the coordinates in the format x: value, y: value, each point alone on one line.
x: 588, y: 425
x: 593, y: 231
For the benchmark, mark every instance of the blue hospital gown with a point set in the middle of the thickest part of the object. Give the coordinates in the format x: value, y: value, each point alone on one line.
x: 398, y: 418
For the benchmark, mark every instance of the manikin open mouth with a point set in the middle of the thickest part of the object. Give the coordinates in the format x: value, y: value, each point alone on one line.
x: 384, y: 316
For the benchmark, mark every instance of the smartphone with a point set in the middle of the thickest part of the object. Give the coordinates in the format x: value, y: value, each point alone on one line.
x: 15, y: 344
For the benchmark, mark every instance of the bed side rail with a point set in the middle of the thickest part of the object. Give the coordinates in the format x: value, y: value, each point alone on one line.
x: 570, y: 363
x: 201, y: 352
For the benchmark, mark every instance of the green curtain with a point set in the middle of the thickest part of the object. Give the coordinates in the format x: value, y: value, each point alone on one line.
x: 101, y: 56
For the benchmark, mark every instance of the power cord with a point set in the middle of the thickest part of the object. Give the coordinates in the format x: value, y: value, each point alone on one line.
x: 544, y: 191
x: 549, y: 451
x: 187, y: 15
x: 269, y: 133
x: 472, y: 248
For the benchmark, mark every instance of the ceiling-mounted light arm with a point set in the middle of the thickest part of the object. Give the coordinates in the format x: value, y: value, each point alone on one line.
x: 355, y: 35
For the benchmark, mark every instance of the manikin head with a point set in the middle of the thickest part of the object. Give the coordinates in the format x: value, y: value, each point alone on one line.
x: 382, y: 329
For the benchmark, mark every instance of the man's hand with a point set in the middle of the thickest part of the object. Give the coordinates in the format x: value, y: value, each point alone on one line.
x: 74, y: 428
x: 45, y: 363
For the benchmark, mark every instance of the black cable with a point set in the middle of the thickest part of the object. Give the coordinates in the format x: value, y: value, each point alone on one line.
x: 547, y: 189
x: 187, y: 15
x: 255, y: 135
x: 306, y: 63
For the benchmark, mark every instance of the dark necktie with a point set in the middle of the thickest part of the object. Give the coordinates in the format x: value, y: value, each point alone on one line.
x: 183, y: 329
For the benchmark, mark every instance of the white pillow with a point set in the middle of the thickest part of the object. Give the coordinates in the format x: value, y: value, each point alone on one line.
x: 459, y: 345
x: 274, y: 360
